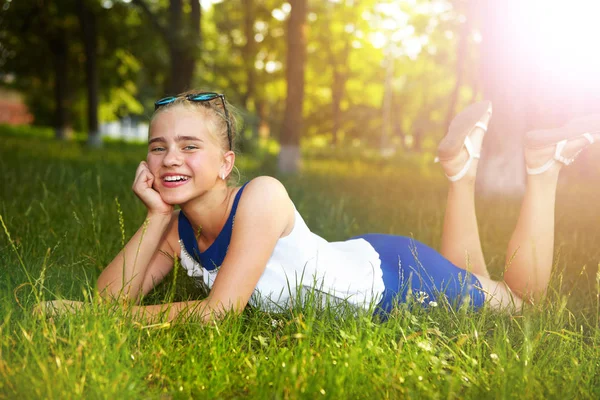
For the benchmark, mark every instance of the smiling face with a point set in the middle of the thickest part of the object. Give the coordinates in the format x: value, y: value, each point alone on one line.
x: 183, y: 155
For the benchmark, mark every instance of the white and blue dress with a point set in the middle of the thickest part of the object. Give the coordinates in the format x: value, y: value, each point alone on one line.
x: 367, y: 270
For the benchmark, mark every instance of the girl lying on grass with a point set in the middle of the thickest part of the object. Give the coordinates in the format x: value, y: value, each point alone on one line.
x: 249, y: 244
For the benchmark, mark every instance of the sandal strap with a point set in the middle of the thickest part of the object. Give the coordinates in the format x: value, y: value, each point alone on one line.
x: 472, y: 155
x: 559, y: 157
x: 482, y: 126
x: 558, y: 153
x: 470, y: 150
x: 542, y: 169
x: 465, y: 168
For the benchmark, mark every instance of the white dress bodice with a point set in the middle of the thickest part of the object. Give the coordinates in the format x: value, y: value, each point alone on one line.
x: 303, y: 262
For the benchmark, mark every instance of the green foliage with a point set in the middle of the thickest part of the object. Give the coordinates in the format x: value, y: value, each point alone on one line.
x: 29, y: 32
x: 61, y: 226
x: 342, y: 40
x: 347, y: 45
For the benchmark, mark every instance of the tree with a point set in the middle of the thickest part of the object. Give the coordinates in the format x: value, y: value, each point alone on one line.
x: 182, y: 35
x: 462, y: 52
x: 335, y: 34
x: 54, y: 53
x: 289, y: 156
x: 243, y: 55
x: 45, y: 27
x: 87, y: 22
x: 249, y: 52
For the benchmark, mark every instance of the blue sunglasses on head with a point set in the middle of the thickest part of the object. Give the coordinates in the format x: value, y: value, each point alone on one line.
x: 199, y: 98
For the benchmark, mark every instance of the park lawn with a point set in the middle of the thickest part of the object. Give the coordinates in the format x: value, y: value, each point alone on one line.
x: 66, y: 211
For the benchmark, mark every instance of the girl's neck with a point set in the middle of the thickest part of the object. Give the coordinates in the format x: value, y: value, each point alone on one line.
x: 208, y: 213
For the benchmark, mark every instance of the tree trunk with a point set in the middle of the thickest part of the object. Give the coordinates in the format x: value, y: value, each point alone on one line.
x: 182, y: 37
x: 180, y: 71
x: 385, y: 147
x: 461, y: 55
x: 249, y: 53
x: 87, y: 19
x: 264, y: 129
x: 59, y: 45
x: 337, y: 94
x: 289, y: 157
x: 338, y: 90
x: 506, y: 83
x: 397, y: 121
x: 250, y: 95
x: 183, y: 43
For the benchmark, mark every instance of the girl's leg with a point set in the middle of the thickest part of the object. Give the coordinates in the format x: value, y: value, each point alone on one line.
x: 499, y: 295
x: 531, y: 247
x: 460, y: 234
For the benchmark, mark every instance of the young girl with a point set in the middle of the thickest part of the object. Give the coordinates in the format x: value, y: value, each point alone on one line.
x: 249, y: 244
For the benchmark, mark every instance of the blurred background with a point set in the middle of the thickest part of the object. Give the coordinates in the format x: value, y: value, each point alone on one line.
x: 339, y: 77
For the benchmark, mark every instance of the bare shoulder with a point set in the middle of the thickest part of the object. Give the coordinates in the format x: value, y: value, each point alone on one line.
x: 268, y: 197
x: 267, y: 188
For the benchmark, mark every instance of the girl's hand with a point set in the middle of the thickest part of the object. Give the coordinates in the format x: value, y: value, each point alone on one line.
x: 56, y: 307
x: 142, y: 187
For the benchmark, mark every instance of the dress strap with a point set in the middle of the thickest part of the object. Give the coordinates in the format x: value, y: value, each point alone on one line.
x: 186, y: 234
x: 213, y: 257
x: 238, y: 195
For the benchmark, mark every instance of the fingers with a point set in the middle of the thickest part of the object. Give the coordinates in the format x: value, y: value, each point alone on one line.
x: 143, y: 177
x: 39, y: 310
x: 46, y: 309
x: 141, y: 170
x: 53, y: 308
x: 143, y: 187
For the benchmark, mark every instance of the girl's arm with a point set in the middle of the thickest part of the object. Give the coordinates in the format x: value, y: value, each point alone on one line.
x: 146, y: 259
x: 134, y: 271
x: 265, y: 214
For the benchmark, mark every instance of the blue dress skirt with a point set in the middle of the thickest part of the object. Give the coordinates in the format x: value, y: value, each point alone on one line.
x: 410, y: 266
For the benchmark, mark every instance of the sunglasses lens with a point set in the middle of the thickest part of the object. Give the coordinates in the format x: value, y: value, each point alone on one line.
x: 203, y: 97
x: 164, y: 101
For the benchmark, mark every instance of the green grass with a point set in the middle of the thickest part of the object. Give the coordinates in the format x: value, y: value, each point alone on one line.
x: 59, y: 203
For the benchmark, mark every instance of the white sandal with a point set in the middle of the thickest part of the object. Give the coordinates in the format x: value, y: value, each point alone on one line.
x: 472, y: 156
x: 458, y: 136
x: 558, y: 156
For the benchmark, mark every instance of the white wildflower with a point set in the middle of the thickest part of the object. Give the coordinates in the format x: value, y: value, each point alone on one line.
x: 425, y: 345
x: 421, y: 297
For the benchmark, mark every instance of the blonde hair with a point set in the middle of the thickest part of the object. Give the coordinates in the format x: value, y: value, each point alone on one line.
x: 211, y: 108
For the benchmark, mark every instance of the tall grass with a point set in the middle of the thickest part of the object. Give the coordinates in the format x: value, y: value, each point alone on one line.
x: 65, y: 209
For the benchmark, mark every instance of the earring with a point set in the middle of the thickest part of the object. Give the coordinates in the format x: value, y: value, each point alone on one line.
x: 223, y: 175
